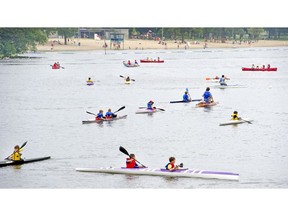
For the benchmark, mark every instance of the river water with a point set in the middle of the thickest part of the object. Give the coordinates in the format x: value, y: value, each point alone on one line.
x: 46, y: 107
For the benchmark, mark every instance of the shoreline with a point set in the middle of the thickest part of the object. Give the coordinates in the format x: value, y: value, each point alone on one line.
x: 81, y: 44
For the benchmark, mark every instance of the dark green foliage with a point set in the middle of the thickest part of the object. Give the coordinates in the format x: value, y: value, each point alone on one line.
x: 15, y: 41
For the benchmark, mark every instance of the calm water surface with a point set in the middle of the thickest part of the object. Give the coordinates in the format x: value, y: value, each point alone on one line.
x: 47, y: 107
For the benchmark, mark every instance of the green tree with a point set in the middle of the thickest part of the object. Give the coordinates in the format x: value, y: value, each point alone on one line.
x: 254, y: 33
x: 66, y: 33
x: 15, y: 41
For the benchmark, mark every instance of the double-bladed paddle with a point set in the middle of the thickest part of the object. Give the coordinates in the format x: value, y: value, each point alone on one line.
x: 19, y: 149
x: 125, y: 78
x: 124, y: 151
x: 114, y: 112
x: 246, y: 121
x: 59, y: 66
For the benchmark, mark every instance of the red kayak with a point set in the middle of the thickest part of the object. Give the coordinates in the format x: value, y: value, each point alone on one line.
x: 151, y: 61
x: 55, y: 67
x: 258, y: 69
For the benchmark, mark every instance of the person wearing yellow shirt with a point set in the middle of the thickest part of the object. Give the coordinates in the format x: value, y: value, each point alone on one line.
x: 16, y: 155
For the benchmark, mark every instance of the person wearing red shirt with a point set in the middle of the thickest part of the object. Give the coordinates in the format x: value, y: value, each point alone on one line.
x: 131, y: 162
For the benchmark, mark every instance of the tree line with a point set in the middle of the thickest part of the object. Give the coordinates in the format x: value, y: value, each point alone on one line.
x: 14, y: 41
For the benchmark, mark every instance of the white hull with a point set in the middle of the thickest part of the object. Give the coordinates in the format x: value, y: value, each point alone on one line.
x: 235, y: 122
x: 106, y: 120
x: 188, y: 173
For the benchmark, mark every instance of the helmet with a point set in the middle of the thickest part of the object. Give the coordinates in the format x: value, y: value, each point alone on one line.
x: 151, y: 101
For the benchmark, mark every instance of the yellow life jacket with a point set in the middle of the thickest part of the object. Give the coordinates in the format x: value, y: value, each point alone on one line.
x: 16, y: 156
x: 235, y: 116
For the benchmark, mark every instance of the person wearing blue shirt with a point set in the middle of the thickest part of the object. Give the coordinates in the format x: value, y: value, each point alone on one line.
x: 110, y: 114
x: 208, y: 98
x: 222, y: 81
x: 186, y: 97
x: 150, y: 105
x: 100, y: 115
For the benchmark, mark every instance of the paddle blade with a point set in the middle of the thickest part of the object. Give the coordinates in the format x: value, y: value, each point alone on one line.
x: 124, y: 151
x: 91, y: 113
x: 161, y: 109
x: 120, y: 109
x: 23, y: 145
x: 122, y: 76
x: 187, y: 90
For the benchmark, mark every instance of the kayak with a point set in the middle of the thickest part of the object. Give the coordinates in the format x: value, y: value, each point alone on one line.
x: 55, y: 67
x: 258, y: 69
x: 90, y: 83
x: 102, y: 120
x: 144, y: 111
x: 235, y: 122
x: 203, y: 104
x: 151, y: 61
x: 189, y: 173
x: 131, y: 65
x: 229, y: 86
x: 10, y: 162
x: 185, y: 101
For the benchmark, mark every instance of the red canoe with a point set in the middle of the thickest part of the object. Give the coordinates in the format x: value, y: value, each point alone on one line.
x: 153, y: 61
x: 259, y: 69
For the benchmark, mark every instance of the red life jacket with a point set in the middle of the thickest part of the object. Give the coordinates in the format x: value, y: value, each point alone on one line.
x: 172, y: 165
x: 130, y: 164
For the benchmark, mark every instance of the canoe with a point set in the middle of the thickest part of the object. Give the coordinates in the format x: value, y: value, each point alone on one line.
x: 235, y: 122
x: 145, y: 111
x: 203, y: 104
x: 131, y: 65
x: 151, y: 61
x: 189, y: 173
x: 258, y: 69
x: 229, y: 86
x: 90, y: 83
x: 102, y: 120
x: 10, y: 162
x: 193, y: 100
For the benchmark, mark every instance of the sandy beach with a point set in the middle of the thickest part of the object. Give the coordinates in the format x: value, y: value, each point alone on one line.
x: 136, y: 44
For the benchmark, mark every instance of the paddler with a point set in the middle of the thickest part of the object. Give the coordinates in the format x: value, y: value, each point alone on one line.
x: 222, y: 80
x: 150, y: 105
x: 100, y: 115
x: 131, y: 162
x: 89, y: 80
x: 127, y: 79
x: 208, y: 98
x: 235, y: 116
x: 110, y: 114
x: 171, y: 165
x: 16, y: 155
x: 186, y: 97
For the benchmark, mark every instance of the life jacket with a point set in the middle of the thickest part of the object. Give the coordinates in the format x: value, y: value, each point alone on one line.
x: 131, y: 164
x: 172, y: 166
x: 149, y: 105
x: 16, y: 156
x: 185, y: 97
x: 222, y: 80
x: 234, y: 117
x: 206, y: 95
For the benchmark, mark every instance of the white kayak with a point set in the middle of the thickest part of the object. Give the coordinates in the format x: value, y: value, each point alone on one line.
x: 235, y: 122
x: 102, y: 120
x: 229, y: 86
x: 145, y: 111
x: 189, y: 173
